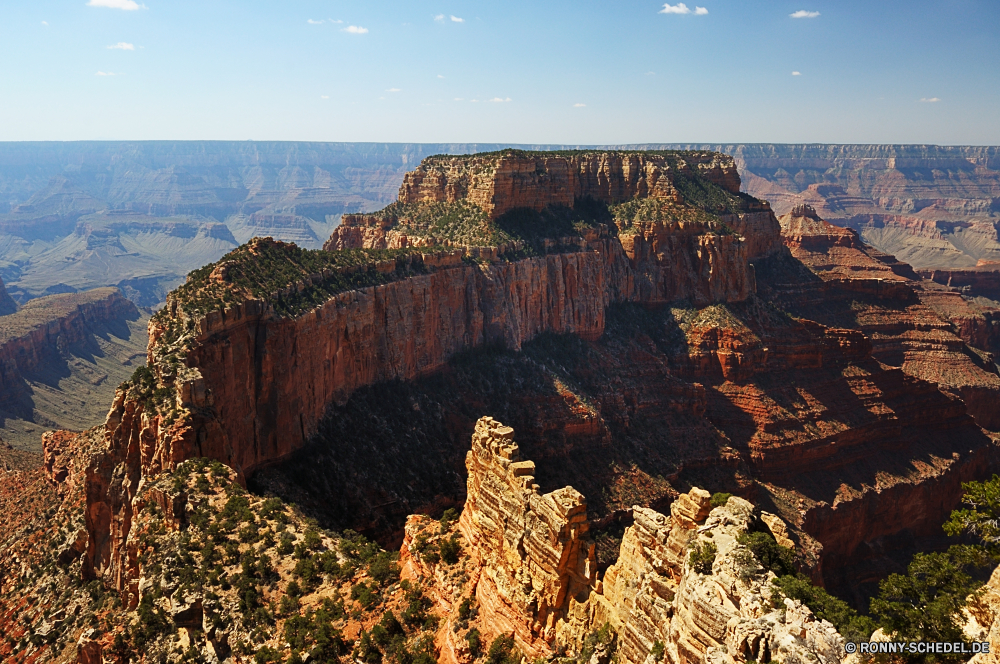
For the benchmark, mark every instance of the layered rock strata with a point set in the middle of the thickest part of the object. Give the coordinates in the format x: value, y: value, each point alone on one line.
x: 45, y: 325
x: 532, y: 549
x: 250, y: 385
x: 536, y: 578
x: 983, y: 280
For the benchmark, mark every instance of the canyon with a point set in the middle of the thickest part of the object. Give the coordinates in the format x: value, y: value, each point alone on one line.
x: 652, y: 333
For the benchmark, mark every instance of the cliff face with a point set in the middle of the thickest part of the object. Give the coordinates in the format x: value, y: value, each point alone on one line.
x: 46, y: 324
x: 500, y: 183
x: 256, y: 384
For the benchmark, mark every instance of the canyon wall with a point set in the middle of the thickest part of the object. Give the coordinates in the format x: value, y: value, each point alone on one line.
x: 256, y: 384
x: 45, y: 325
x: 982, y: 280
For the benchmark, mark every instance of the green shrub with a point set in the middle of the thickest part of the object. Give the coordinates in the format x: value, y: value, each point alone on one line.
x: 502, y: 651
x: 475, y: 642
x: 366, y: 595
x: 926, y: 603
x: 450, y: 550
x: 720, y: 499
x: 852, y: 626
x: 772, y: 556
x: 703, y: 557
x: 383, y: 568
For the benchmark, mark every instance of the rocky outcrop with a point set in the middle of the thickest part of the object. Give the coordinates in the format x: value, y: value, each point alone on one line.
x: 504, y: 181
x: 531, y: 549
x: 655, y: 598
x: 536, y: 577
x: 983, y: 280
x: 46, y: 325
x: 933, y: 206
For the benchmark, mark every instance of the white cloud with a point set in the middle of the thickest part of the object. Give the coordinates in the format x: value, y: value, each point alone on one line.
x: 440, y: 76
x: 324, y: 96
x: 474, y: 100
x: 498, y: 100
x: 356, y: 30
x: 45, y: 23
x: 455, y: 19
x: 123, y: 46
x: 393, y: 90
x: 106, y: 73
x: 578, y: 105
x: 337, y: 20
x: 312, y: 22
x: 650, y: 73
x: 439, y: 17
x: 802, y: 13
x: 127, y: 5
x: 931, y: 100
x: 796, y: 73
x: 681, y: 8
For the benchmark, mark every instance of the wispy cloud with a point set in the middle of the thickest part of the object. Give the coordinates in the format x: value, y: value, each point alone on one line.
x: 335, y: 20
x: 455, y: 19
x: 650, y: 73
x: 439, y: 17
x: 127, y: 5
x: 122, y: 46
x: 930, y: 100
x: 356, y: 30
x: 681, y: 8
x: 314, y: 22
x: 106, y: 73
x: 393, y: 90
x: 498, y: 100
x: 796, y: 73
x: 802, y: 13
x: 324, y: 96
x: 45, y: 23
x: 578, y: 105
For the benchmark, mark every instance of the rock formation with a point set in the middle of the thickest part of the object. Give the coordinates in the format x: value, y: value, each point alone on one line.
x: 255, y: 384
x: 531, y: 548
x: 983, y: 280
x: 932, y: 206
x: 536, y: 577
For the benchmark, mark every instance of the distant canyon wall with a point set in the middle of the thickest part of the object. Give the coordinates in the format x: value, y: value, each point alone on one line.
x: 47, y: 324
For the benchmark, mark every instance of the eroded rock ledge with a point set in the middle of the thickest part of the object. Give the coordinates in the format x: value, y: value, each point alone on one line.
x: 534, y: 576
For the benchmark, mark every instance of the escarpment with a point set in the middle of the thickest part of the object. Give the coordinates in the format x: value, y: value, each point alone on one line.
x: 247, y: 357
x: 643, y: 327
x: 45, y: 325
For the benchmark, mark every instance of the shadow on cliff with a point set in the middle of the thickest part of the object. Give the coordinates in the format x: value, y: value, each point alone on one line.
x: 605, y: 417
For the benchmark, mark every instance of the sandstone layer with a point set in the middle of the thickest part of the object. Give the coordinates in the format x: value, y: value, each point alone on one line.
x: 45, y: 325
x: 536, y: 580
x: 932, y: 206
x: 253, y: 385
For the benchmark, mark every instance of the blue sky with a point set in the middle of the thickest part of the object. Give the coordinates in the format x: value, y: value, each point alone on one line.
x: 582, y: 71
